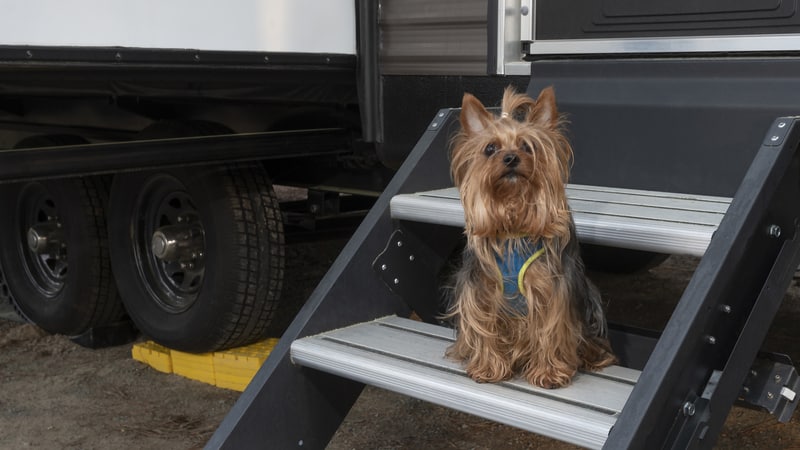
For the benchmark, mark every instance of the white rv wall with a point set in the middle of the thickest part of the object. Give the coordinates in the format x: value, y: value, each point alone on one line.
x: 298, y: 26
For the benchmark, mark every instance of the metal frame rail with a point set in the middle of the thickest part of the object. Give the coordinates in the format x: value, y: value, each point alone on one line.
x: 287, y: 406
x: 703, y: 357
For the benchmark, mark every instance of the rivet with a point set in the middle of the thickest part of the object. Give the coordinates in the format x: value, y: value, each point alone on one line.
x: 399, y: 243
x: 770, y: 395
x: 383, y: 266
x: 396, y: 281
x: 711, y: 340
x: 410, y: 257
x: 774, y: 138
x: 725, y: 308
x: 781, y: 124
x: 774, y: 231
x: 777, y: 378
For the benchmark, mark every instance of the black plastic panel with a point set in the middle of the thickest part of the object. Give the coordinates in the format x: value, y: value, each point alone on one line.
x: 587, y: 19
x: 679, y: 125
x: 410, y: 102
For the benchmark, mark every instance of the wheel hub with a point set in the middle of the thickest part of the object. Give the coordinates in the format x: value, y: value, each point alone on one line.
x: 47, y: 237
x: 169, y: 244
x: 182, y: 243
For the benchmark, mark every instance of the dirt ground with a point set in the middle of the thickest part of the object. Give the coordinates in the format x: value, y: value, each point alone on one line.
x: 58, y: 395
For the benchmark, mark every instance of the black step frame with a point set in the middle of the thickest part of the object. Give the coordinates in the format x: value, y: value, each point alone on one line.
x: 287, y: 406
x: 725, y: 311
x: 687, y: 388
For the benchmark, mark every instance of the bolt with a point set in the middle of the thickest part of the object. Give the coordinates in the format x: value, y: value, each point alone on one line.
x: 770, y: 395
x: 782, y: 125
x: 711, y: 340
x: 746, y: 390
x: 410, y: 257
x: 396, y: 281
x: 383, y: 267
x: 399, y: 243
x: 774, y: 231
x: 777, y: 378
x: 725, y: 308
x: 689, y: 409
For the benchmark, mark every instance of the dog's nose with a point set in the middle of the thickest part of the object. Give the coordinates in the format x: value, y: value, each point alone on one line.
x: 510, y: 160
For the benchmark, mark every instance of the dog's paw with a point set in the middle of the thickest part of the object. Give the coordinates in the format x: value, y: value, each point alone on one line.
x: 549, y: 378
x: 490, y: 374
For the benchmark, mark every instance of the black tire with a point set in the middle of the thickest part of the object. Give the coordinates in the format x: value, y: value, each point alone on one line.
x: 221, y: 288
x: 619, y: 260
x: 65, y: 287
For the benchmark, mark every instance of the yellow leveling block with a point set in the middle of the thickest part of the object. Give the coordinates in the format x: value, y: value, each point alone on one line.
x: 229, y: 369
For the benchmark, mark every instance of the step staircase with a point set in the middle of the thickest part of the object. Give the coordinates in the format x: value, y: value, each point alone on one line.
x: 670, y: 390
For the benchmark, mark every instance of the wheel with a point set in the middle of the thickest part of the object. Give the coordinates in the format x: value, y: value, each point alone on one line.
x: 619, y: 260
x: 198, y: 254
x: 55, y: 268
x: 55, y: 261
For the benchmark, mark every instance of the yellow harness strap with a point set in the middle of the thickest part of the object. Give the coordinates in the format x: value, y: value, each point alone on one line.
x: 525, y: 266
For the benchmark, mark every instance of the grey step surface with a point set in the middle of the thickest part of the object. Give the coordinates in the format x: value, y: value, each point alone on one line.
x: 641, y: 220
x: 408, y: 357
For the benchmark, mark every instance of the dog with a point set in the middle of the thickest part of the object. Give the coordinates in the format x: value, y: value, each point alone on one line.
x: 522, y: 304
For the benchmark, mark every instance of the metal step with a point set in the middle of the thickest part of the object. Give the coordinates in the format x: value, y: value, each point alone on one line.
x: 641, y: 220
x: 407, y: 357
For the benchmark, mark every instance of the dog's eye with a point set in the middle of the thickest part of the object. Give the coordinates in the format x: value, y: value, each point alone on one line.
x: 526, y: 148
x: 490, y: 150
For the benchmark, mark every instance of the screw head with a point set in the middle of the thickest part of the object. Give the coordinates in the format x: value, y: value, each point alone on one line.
x: 689, y: 409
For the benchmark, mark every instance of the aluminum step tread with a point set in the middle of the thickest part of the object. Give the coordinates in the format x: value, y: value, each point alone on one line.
x: 642, y: 220
x: 406, y: 356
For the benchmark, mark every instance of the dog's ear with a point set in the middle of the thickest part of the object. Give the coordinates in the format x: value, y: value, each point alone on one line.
x: 474, y: 117
x: 545, y: 113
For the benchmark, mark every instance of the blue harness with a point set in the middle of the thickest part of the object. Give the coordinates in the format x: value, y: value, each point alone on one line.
x: 512, y: 268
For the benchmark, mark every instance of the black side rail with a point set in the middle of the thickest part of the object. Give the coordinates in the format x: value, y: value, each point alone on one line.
x: 705, y: 353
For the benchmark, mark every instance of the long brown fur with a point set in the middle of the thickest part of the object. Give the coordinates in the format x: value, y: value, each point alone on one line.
x: 506, y: 205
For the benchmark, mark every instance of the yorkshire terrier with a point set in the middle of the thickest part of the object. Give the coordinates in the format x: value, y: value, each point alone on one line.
x: 522, y: 303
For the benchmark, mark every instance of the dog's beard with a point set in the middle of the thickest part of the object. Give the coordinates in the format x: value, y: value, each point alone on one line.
x: 503, y: 205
